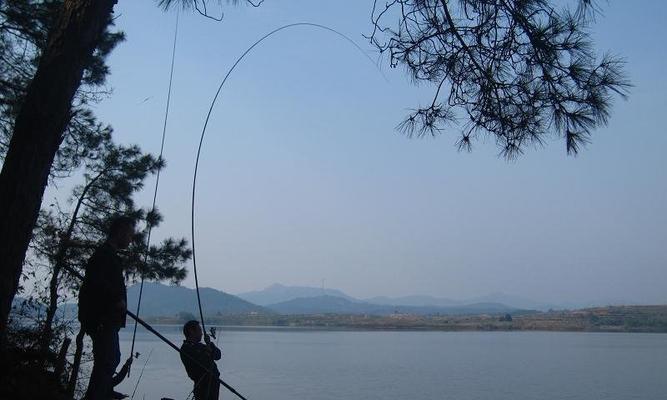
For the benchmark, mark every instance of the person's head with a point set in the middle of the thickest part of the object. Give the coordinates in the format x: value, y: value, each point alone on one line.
x: 121, y: 231
x: 192, y: 331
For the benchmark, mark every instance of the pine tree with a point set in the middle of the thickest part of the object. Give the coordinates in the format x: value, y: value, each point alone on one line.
x: 65, y: 43
x: 73, y: 45
x: 65, y: 237
x: 517, y: 71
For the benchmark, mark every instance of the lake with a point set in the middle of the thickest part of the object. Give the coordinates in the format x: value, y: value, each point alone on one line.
x: 270, y: 364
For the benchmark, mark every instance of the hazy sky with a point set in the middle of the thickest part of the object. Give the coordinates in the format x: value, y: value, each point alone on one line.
x: 303, y: 176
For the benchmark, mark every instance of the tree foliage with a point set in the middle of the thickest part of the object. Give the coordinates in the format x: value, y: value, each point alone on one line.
x: 24, y: 32
x: 111, y: 179
x: 110, y: 175
x: 202, y: 6
x: 517, y: 70
x: 67, y: 234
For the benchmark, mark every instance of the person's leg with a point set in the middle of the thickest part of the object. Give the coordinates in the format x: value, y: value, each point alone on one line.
x: 106, y: 357
x: 215, y: 390
x: 115, y: 343
x: 207, y: 389
x: 93, y: 382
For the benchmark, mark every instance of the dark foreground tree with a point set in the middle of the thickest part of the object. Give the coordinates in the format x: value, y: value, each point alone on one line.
x: 24, y: 25
x: 38, y: 132
x: 65, y: 237
x: 41, y: 120
x: 516, y: 70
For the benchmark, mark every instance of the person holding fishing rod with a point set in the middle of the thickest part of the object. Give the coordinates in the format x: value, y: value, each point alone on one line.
x: 103, y: 306
x: 196, y: 355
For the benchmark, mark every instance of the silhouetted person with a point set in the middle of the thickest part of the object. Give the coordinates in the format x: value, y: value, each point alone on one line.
x: 103, y: 305
x: 197, y: 358
x: 117, y: 379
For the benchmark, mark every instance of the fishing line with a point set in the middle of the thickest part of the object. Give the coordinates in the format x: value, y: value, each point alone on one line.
x: 141, y: 374
x: 157, y: 182
x: 160, y: 336
x: 208, y: 116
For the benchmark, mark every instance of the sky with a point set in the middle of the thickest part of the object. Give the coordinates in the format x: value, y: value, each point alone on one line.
x: 304, y: 179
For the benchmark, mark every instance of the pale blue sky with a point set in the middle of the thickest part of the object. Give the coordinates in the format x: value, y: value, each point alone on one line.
x: 304, y: 178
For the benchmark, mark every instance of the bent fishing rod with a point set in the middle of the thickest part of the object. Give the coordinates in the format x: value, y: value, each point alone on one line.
x: 208, y: 117
x: 152, y: 330
x: 194, y: 182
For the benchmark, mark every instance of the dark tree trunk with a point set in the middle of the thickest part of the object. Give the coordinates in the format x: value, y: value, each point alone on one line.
x: 61, y: 360
x: 38, y: 133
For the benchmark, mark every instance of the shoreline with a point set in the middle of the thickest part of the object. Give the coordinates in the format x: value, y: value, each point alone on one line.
x: 274, y: 328
x: 622, y: 319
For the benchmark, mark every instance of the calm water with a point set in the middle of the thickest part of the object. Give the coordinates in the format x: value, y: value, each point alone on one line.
x: 321, y: 365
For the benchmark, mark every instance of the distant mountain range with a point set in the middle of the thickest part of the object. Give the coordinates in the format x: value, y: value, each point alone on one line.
x: 278, y: 293
x: 163, y: 300
x: 417, y: 301
x: 339, y: 305
x: 168, y: 301
x: 500, y: 298
x: 160, y: 300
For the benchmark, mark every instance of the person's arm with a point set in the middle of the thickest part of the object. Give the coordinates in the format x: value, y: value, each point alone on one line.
x: 118, y: 378
x: 216, y: 354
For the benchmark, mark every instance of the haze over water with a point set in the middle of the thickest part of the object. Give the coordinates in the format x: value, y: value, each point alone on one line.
x: 327, y: 365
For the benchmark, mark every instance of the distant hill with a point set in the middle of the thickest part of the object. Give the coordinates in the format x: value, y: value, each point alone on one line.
x: 501, y: 298
x: 417, y: 301
x: 278, y: 293
x: 339, y: 305
x: 326, y: 305
x: 516, y: 301
x: 163, y: 300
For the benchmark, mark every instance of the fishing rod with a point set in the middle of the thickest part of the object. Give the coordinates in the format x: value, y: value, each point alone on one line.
x: 208, y: 116
x: 157, y: 184
x: 152, y: 330
x: 167, y: 341
x: 141, y: 374
x: 135, y: 317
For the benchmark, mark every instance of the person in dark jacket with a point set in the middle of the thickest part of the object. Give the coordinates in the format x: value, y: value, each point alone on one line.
x: 199, y: 361
x: 103, y: 306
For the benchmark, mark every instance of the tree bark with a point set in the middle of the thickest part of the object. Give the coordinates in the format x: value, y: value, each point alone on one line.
x: 38, y: 132
x: 61, y: 360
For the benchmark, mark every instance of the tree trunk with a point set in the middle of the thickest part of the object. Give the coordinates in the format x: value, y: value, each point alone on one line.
x: 61, y: 360
x: 38, y: 132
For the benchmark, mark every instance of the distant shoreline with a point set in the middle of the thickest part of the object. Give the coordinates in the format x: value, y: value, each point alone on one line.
x: 629, y: 319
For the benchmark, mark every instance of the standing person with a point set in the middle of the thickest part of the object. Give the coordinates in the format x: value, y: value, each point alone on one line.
x: 103, y: 306
x: 117, y: 379
x: 199, y: 361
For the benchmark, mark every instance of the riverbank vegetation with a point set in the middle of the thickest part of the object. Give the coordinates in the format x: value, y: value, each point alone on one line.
x: 600, y: 319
